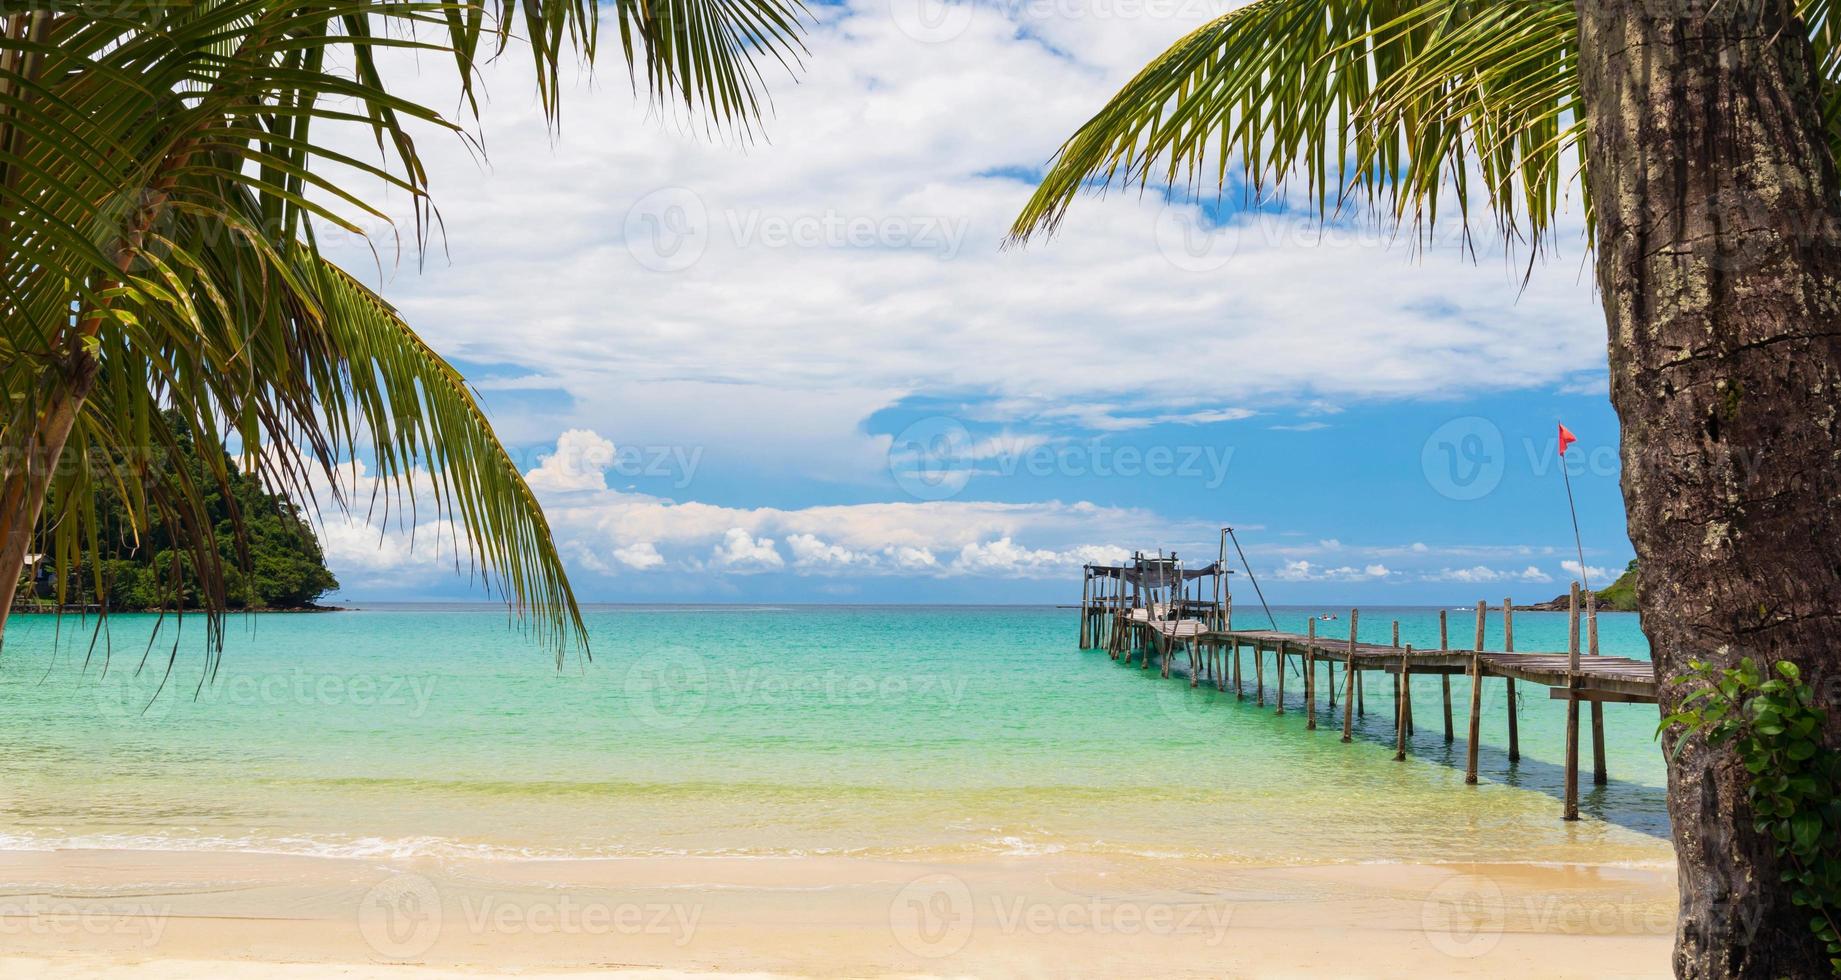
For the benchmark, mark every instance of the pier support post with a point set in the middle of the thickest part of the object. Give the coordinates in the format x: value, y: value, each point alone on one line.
x: 1310, y: 675
x: 1508, y: 646
x: 1399, y: 716
x: 1348, y: 679
x: 1476, y: 700
x: 1283, y: 648
x: 1259, y: 675
x: 1599, y: 774
x: 1572, y: 705
x: 1240, y: 693
x: 1405, y: 708
x: 1086, y: 596
x: 1444, y: 643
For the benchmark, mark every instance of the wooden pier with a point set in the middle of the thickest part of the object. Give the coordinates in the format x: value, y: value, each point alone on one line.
x: 1145, y: 609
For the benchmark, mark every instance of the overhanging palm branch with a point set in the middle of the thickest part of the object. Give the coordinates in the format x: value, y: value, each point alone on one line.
x: 1377, y: 103
x: 163, y: 170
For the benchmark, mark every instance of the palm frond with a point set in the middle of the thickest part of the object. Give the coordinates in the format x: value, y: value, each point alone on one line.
x: 1378, y: 101
x: 1382, y: 103
x: 164, y: 171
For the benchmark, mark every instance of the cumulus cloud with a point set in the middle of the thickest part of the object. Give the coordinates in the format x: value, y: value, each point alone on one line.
x: 579, y: 462
x: 1302, y: 570
x: 1484, y: 573
x: 810, y: 551
x: 739, y: 550
x: 771, y: 358
x: 639, y: 556
x: 1593, y: 573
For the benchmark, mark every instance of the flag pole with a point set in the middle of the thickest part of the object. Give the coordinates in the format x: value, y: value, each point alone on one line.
x: 1573, y: 509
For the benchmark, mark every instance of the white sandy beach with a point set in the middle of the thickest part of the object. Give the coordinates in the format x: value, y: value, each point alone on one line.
x: 177, y: 915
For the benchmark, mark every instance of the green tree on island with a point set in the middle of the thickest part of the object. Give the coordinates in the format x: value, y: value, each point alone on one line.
x: 1705, y: 136
x: 163, y: 170
x: 265, y: 545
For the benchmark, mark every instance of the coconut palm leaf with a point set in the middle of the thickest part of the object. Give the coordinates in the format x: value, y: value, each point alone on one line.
x: 165, y: 169
x: 1391, y: 105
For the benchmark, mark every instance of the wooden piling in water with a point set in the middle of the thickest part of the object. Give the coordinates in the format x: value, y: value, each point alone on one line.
x: 1086, y: 597
x: 1572, y: 705
x: 1279, y: 698
x: 1508, y: 646
x: 1348, y: 678
x: 1444, y: 643
x: 1405, y: 707
x: 1399, y: 719
x: 1310, y: 675
x: 1600, y: 775
x: 1476, y: 700
x: 1131, y: 621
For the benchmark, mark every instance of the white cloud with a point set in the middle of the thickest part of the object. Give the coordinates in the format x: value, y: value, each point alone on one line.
x: 1003, y: 556
x: 1483, y: 574
x: 640, y: 556
x: 1301, y: 570
x: 578, y: 463
x: 758, y: 347
x: 738, y: 550
x: 810, y: 551
x: 1598, y: 576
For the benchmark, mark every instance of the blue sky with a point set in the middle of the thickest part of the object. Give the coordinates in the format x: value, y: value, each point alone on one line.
x: 802, y: 368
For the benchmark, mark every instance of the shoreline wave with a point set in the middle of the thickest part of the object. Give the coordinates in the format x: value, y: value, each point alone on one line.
x: 446, y: 849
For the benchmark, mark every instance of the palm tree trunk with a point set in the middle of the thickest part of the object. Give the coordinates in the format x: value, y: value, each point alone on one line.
x: 29, y: 467
x: 1719, y: 261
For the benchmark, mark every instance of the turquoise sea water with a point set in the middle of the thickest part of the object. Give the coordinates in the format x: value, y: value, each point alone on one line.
x: 771, y: 730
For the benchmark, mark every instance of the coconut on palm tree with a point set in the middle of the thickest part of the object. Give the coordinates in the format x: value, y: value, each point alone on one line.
x: 164, y: 170
x: 1703, y: 136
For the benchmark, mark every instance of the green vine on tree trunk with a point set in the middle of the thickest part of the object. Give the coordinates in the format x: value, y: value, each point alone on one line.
x: 1795, y: 791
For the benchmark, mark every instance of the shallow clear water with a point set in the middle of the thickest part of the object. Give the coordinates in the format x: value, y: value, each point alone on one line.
x: 773, y: 730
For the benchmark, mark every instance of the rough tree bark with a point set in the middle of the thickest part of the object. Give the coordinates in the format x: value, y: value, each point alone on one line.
x: 1719, y: 261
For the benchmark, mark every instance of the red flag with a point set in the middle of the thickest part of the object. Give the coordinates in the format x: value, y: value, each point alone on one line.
x: 1566, y: 438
